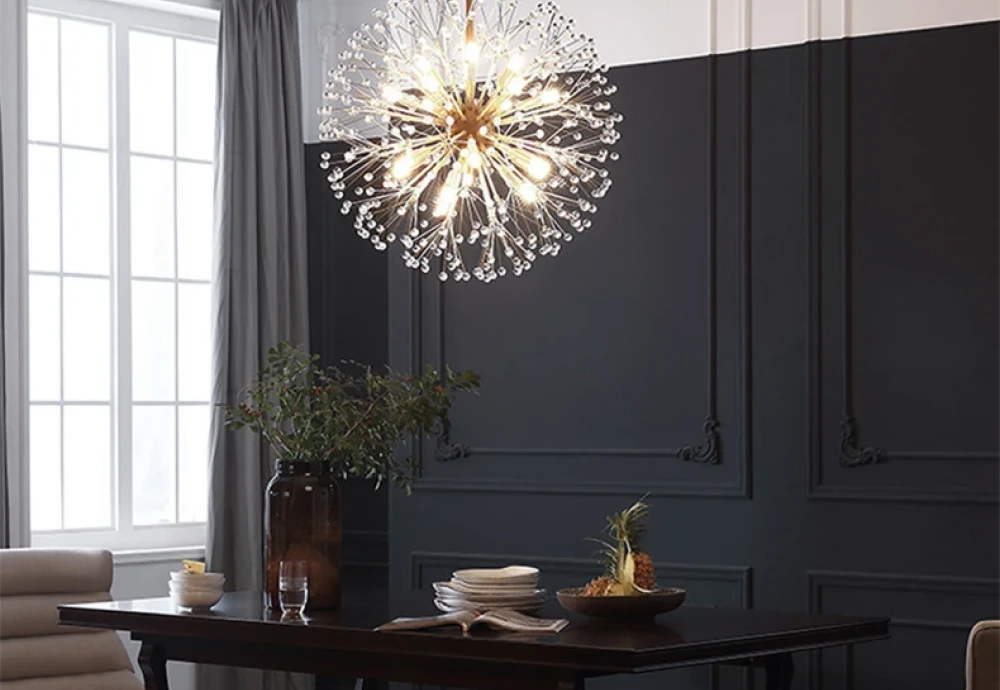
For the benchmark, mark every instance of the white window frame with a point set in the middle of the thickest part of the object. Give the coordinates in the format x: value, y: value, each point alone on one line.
x: 164, y: 17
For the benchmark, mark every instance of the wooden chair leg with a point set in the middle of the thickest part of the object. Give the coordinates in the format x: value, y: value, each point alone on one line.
x: 154, y: 666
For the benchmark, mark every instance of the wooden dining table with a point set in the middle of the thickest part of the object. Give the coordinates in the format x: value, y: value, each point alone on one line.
x: 240, y: 631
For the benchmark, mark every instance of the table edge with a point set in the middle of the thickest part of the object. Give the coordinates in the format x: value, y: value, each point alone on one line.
x: 157, y: 625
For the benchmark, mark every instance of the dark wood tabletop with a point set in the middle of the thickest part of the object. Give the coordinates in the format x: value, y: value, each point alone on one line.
x: 239, y: 631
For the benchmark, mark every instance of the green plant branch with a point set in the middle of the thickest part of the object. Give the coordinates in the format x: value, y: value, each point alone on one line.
x: 354, y: 421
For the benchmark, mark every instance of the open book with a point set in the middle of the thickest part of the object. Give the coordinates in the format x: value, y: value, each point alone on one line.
x: 499, y: 619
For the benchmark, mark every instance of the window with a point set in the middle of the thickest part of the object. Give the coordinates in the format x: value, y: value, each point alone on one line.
x: 120, y: 202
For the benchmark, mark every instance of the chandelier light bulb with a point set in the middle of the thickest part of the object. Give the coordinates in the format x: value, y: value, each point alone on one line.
x: 471, y: 52
x: 551, y: 96
x: 403, y: 166
x: 539, y: 168
x: 475, y: 132
x: 446, y: 201
x: 528, y: 192
x: 391, y: 93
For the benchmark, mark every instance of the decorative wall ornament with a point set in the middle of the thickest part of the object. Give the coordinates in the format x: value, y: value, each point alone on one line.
x: 710, y: 452
x: 851, y: 455
x: 444, y: 449
x: 474, y: 134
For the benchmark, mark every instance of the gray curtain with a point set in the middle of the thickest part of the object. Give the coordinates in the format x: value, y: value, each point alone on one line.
x: 260, y: 292
x: 4, y: 484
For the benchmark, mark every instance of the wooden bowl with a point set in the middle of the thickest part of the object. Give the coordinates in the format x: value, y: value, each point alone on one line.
x: 635, y: 608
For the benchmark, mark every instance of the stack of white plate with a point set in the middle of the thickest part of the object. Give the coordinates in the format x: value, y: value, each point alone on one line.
x: 514, y: 588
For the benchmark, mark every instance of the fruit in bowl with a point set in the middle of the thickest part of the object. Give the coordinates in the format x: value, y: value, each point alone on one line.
x: 628, y: 569
x: 627, y: 591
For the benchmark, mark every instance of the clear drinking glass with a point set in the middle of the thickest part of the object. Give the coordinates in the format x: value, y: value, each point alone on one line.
x: 293, y: 586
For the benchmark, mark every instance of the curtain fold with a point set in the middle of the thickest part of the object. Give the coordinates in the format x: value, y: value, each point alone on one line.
x: 260, y: 289
x: 4, y: 481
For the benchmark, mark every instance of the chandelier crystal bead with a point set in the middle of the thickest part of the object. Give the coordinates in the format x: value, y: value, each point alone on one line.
x: 475, y: 134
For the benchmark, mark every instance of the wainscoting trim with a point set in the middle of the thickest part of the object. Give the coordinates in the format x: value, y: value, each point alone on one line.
x: 710, y: 449
x: 851, y: 453
x: 821, y: 579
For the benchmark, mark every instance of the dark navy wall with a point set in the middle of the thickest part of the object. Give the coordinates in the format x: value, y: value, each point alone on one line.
x: 783, y: 326
x: 348, y: 312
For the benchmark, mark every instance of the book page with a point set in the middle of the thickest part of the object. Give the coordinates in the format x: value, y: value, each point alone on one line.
x: 519, y: 622
x: 463, y: 619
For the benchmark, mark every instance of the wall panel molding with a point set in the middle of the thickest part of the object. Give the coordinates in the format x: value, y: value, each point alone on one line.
x: 931, y: 585
x: 850, y: 450
x: 709, y: 449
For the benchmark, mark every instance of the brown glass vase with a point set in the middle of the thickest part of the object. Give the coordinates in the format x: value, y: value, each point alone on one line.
x: 302, y: 523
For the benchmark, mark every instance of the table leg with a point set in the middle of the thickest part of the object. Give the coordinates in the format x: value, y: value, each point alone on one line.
x: 154, y: 666
x: 779, y: 670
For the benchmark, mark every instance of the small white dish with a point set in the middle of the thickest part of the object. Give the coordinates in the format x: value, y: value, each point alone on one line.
x: 449, y: 606
x: 490, y: 606
x: 196, y: 599
x: 510, y: 575
x: 500, y: 590
x: 445, y: 590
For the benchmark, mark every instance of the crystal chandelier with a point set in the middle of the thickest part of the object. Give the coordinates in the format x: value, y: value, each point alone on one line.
x: 475, y: 136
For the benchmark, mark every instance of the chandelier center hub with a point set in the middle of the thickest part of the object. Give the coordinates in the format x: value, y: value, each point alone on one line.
x: 472, y: 124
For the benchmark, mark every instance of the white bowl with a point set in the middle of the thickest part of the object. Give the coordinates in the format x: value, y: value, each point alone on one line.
x: 195, y: 599
x: 184, y: 576
x: 198, y: 581
x: 181, y: 587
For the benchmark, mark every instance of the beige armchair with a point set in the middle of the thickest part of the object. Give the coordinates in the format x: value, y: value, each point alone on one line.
x: 982, y: 659
x: 38, y: 654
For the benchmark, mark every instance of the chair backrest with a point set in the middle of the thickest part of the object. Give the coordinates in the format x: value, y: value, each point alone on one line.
x: 982, y: 658
x: 32, y: 644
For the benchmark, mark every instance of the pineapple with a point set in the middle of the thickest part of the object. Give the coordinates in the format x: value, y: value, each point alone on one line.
x: 193, y: 567
x: 628, y: 569
x: 598, y: 587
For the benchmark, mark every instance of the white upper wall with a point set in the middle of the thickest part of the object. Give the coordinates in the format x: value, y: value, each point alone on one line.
x: 635, y: 31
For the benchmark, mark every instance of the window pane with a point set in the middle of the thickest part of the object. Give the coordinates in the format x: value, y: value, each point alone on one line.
x: 152, y: 216
x: 86, y: 212
x: 151, y: 93
x: 153, y: 456
x: 87, y: 464
x: 193, y: 458
x: 195, y: 209
x: 86, y: 71
x: 87, y: 339
x: 43, y: 338
x: 43, y: 78
x: 152, y: 341
x: 194, y: 342
x: 43, y: 208
x: 195, y: 99
x: 45, y: 437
